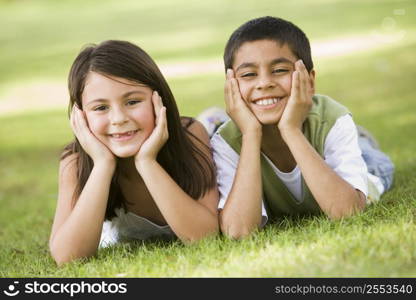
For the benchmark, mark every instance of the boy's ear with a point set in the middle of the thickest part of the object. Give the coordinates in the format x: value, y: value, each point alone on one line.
x: 312, y: 80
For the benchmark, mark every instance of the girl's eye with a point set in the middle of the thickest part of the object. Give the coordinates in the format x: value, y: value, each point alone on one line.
x: 100, y: 108
x: 133, y: 102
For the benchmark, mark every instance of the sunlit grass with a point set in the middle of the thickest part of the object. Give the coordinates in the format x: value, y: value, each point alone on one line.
x: 377, y: 86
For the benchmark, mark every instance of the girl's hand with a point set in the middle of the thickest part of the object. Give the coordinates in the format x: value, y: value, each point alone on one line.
x: 300, y: 100
x: 237, y: 108
x: 152, y: 145
x: 94, y: 148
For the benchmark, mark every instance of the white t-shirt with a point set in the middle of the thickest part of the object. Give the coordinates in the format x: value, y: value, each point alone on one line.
x: 127, y: 226
x: 341, y: 153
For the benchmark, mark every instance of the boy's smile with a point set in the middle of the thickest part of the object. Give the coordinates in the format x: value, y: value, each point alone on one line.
x: 263, y: 69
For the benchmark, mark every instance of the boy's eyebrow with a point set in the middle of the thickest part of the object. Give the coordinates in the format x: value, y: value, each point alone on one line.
x: 275, y: 61
x: 281, y: 60
x: 245, y: 65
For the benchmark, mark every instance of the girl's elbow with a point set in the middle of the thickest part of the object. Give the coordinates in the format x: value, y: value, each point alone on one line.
x: 64, y: 256
x: 59, y: 257
x: 196, y: 236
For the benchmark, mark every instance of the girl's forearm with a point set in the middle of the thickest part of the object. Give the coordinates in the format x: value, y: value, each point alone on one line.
x: 189, y: 219
x: 242, y: 211
x: 80, y: 234
x: 336, y: 197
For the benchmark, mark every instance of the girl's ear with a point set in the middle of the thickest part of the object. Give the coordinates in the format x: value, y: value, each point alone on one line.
x: 312, y: 80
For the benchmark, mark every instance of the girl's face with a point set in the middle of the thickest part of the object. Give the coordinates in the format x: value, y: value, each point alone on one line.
x: 119, y: 112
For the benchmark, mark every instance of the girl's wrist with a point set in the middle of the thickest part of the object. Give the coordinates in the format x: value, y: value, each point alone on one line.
x: 143, y: 164
x: 106, y: 164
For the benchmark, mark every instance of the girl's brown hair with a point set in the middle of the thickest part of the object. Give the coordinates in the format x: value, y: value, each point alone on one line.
x: 190, y: 167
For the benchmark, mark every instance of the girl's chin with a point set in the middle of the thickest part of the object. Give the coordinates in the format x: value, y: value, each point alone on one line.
x: 125, y: 153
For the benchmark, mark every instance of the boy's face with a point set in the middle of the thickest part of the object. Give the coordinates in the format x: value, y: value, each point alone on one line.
x: 264, y: 70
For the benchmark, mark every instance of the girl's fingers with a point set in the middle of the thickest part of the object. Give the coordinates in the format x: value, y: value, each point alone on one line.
x: 161, y: 123
x: 157, y: 104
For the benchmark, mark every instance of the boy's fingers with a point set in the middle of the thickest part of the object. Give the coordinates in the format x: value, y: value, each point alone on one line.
x: 235, y: 89
x: 302, y: 81
x: 230, y: 74
x: 295, y: 84
x: 229, y: 98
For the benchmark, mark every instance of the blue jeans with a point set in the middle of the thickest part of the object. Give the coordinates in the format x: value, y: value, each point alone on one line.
x: 378, y: 163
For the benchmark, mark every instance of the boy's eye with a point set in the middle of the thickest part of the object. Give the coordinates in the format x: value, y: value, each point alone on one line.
x: 280, y: 70
x: 248, y: 74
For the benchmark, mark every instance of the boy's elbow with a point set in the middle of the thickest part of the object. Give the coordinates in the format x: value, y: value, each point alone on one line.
x: 357, y: 205
x: 236, y: 230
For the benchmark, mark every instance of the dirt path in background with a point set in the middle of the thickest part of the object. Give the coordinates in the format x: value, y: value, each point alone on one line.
x: 45, y: 95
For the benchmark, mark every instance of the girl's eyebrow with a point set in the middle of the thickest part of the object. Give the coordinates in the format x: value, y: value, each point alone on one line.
x: 125, y: 95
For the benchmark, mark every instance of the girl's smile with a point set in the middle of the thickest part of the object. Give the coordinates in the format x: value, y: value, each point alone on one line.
x: 119, y: 112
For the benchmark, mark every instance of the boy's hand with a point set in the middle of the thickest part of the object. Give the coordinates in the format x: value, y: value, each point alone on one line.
x: 237, y: 108
x: 300, y: 100
x: 91, y: 145
x: 152, y: 145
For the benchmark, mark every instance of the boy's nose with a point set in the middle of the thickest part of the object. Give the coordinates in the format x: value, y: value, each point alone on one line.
x: 265, y: 82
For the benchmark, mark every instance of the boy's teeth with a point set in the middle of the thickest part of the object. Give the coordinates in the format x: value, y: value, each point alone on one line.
x: 267, y: 101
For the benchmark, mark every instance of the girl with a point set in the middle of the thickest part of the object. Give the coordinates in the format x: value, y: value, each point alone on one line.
x: 136, y: 169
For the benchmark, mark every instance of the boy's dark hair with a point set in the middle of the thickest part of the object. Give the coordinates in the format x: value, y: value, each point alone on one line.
x: 269, y: 28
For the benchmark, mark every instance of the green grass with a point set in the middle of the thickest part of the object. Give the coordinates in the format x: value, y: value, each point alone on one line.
x: 43, y: 37
x: 377, y: 86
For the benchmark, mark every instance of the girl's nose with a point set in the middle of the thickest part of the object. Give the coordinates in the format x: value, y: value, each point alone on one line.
x: 118, y: 117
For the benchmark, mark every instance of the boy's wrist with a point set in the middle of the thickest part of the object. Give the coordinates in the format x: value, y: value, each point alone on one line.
x: 252, y: 135
x: 289, y: 132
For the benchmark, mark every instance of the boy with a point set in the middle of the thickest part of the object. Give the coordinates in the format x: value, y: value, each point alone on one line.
x: 286, y: 150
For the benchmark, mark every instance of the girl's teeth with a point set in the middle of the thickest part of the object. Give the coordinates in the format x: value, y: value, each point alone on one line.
x: 129, y: 133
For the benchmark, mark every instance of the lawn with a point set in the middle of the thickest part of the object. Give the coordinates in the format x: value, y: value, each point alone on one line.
x: 377, y: 85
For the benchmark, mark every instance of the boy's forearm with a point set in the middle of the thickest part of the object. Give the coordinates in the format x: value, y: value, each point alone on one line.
x: 242, y: 211
x: 336, y: 197
x: 189, y: 219
x: 80, y: 234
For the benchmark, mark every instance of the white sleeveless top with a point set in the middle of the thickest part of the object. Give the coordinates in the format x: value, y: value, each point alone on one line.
x: 129, y: 226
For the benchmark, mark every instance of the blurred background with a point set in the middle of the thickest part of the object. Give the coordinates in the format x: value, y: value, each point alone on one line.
x: 363, y: 50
